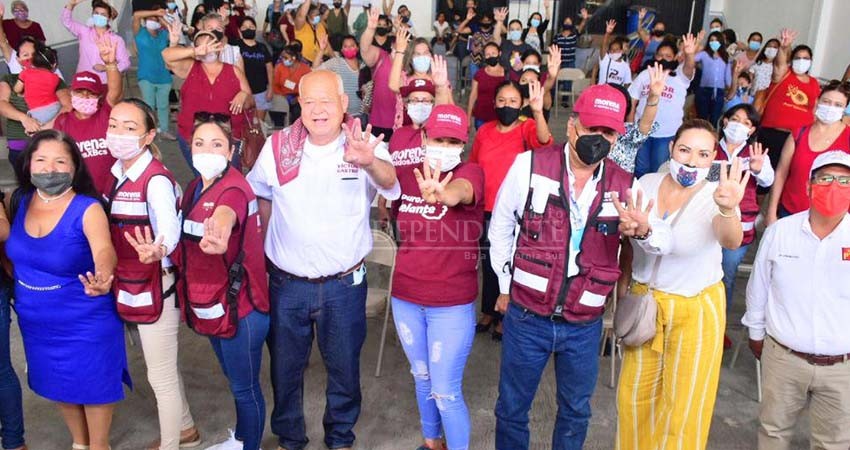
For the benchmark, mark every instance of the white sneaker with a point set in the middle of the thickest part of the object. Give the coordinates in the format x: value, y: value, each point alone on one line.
x: 230, y: 444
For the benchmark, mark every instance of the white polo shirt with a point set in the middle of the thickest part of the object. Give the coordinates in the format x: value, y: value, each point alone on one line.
x: 319, y: 224
x: 798, y: 290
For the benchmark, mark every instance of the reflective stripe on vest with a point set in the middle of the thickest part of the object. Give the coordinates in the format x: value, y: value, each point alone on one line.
x: 193, y: 228
x: 124, y: 208
x: 213, y: 312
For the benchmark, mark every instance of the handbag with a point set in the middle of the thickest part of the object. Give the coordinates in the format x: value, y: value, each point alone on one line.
x: 253, y: 140
x: 635, y: 316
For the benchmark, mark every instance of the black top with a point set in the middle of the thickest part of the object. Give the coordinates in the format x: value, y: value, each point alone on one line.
x: 255, y: 58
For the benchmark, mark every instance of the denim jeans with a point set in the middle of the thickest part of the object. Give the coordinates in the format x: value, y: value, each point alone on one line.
x: 157, y: 96
x: 335, y: 311
x: 11, y: 410
x: 437, y: 342
x: 731, y: 260
x: 528, y: 342
x: 709, y: 103
x: 651, y: 155
x: 186, y: 150
x: 241, y: 357
x: 473, y: 69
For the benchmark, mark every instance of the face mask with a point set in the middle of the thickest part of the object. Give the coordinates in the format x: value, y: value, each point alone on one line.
x: 531, y: 67
x: 828, y: 114
x: 382, y: 31
x: 51, y: 183
x: 316, y: 20
x: 687, y: 176
x: 658, y: 33
x: 830, y: 199
x: 288, y: 62
x: 405, y: 19
x: 87, y: 106
x: 448, y: 157
x: 523, y: 90
x: 171, y: 5
x: 249, y: 34
x: 592, y: 148
x: 535, y: 23
x: 209, y: 165
x: 219, y: 35
x: 714, y: 45
x: 123, y: 147
x: 715, y: 30
x: 491, y: 61
x: 507, y: 115
x: 152, y: 25
x: 419, y: 112
x: 337, y: 5
x: 668, y: 65
x: 210, y: 58
x: 755, y: 45
x: 421, y: 64
x: 349, y: 53
x: 99, y: 20
x: 615, y: 56
x: 771, y: 52
x: 847, y: 111
x: 736, y: 132
x: 21, y: 15
x: 514, y: 35
x: 801, y: 66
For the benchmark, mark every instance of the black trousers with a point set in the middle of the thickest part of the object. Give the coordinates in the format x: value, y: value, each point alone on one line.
x: 774, y: 140
x: 490, y: 283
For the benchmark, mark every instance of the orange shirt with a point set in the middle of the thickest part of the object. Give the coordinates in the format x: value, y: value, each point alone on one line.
x: 286, y: 79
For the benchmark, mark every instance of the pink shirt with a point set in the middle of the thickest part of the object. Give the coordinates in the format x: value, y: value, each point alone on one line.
x: 89, y: 54
x: 383, y: 99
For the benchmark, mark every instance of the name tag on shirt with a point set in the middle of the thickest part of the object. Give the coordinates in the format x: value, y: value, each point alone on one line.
x: 608, y: 209
x: 289, y: 84
x: 347, y: 171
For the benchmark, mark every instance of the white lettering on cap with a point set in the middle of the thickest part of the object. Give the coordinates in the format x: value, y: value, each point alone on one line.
x: 419, y: 83
x: 453, y: 118
x: 86, y: 78
x: 609, y: 105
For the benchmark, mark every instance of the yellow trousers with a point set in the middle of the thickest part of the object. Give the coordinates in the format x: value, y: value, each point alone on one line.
x: 667, y: 389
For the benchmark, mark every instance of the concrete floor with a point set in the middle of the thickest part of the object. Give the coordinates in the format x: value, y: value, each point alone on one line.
x: 389, y: 419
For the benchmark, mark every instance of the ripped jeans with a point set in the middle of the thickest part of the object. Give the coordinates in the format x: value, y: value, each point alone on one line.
x: 437, y: 341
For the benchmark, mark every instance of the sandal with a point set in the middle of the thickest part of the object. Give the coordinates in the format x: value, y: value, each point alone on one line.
x: 190, y: 441
x: 76, y: 446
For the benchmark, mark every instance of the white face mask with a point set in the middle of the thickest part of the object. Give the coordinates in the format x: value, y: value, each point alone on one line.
x: 533, y: 67
x: 615, y: 56
x: 448, y: 157
x: 687, y: 176
x: 771, y: 52
x: 829, y: 114
x: 736, y: 132
x: 152, y: 25
x: 123, y: 147
x: 801, y: 66
x: 209, y: 165
x: 419, y: 112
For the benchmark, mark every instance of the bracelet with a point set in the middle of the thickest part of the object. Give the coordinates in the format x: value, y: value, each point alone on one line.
x: 644, y: 236
x: 398, y: 52
x: 727, y: 216
x: 653, y: 104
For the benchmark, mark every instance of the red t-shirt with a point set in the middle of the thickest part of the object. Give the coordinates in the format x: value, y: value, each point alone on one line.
x: 790, y: 103
x: 14, y: 33
x: 485, y: 107
x: 437, y: 263
x: 90, y: 135
x: 383, y: 99
x: 39, y: 87
x: 198, y: 94
x: 794, y: 197
x: 495, y: 152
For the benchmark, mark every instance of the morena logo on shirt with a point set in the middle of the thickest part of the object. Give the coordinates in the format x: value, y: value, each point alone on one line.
x: 412, y: 204
x: 92, y: 148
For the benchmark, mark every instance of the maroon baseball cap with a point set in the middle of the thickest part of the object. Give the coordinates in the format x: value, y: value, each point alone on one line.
x: 448, y: 121
x: 88, y: 81
x: 418, y: 85
x: 602, y: 106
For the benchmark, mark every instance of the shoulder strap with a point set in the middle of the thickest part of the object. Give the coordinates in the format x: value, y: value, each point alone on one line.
x: 653, y: 278
x: 800, y: 134
x: 775, y: 87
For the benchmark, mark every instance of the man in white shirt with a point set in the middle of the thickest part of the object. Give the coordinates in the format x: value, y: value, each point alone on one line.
x: 315, y: 181
x: 798, y: 311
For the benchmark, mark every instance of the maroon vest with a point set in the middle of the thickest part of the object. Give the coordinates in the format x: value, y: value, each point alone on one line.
x: 137, y: 286
x: 539, y: 272
x: 749, y: 204
x: 216, y: 290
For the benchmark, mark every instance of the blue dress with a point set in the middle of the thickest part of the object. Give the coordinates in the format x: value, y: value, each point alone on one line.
x: 74, y: 343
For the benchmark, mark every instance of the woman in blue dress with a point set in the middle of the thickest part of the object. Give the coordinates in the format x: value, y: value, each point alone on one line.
x: 63, y: 264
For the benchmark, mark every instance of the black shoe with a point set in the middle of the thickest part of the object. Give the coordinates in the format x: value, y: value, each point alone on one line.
x: 484, y: 327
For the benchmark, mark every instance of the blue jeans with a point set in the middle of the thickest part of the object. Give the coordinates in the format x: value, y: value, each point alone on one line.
x: 235, y: 160
x: 335, y: 311
x: 709, y: 103
x: 473, y: 69
x: 11, y: 410
x: 731, y: 260
x: 651, y: 155
x: 528, y: 342
x: 437, y: 341
x: 156, y: 96
x: 241, y: 357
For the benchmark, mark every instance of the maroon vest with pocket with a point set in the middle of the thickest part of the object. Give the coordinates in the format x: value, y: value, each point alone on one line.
x: 137, y: 286
x: 539, y: 272
x: 216, y: 290
x: 749, y: 204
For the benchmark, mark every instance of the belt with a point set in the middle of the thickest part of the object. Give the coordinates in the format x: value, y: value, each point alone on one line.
x: 553, y: 317
x: 320, y: 279
x: 817, y: 360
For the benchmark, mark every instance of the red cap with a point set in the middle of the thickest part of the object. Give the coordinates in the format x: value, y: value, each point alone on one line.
x: 448, y: 121
x: 602, y: 106
x: 418, y: 85
x: 88, y: 81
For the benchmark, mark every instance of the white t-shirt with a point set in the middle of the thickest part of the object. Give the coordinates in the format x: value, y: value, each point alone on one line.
x: 617, y: 72
x: 692, y: 255
x: 672, y: 107
x: 230, y: 54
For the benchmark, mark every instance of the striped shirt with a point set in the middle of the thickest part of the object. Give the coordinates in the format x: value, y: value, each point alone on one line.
x: 350, y: 81
x: 567, y: 44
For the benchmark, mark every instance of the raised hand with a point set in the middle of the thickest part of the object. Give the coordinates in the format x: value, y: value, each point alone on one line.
x: 758, y: 154
x: 584, y: 14
x: 730, y: 189
x: 787, y: 37
x: 372, y: 20
x: 439, y: 71
x: 430, y: 186
x: 359, y: 149
x: 73, y: 3
x: 402, y: 36
x: 500, y: 14
x: 634, y: 217
x: 215, y: 240
x: 208, y: 47
x: 95, y: 284
x: 107, y: 49
x: 553, y: 61
x: 535, y: 96
x: 323, y: 44
x: 657, y: 79
x: 148, y: 249
x: 641, y: 15
x: 470, y: 14
x: 2, y: 10
x: 610, y: 26
x: 175, y: 31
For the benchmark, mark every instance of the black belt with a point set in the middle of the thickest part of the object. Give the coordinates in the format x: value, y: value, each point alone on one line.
x: 558, y: 318
x: 320, y: 279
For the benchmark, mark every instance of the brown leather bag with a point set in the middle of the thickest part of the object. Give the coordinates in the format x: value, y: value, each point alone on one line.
x: 253, y: 140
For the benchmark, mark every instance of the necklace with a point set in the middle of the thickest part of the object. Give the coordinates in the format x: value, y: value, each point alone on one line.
x: 51, y: 199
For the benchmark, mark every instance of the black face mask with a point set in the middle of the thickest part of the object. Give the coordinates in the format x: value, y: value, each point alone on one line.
x: 382, y: 31
x: 249, y: 34
x: 51, y: 183
x: 491, y: 61
x: 658, y: 33
x: 507, y: 115
x: 486, y: 27
x: 219, y: 35
x: 668, y: 65
x: 523, y: 90
x: 405, y: 19
x: 337, y: 5
x: 592, y: 148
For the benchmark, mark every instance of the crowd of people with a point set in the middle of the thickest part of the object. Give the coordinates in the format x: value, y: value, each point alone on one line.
x: 641, y: 195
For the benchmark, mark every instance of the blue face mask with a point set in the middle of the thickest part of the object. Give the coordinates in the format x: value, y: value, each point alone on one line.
x: 288, y: 62
x: 714, y: 45
x: 316, y: 20
x: 171, y: 5
x: 755, y: 45
x: 99, y: 21
x: 847, y: 111
x: 535, y: 23
x: 421, y: 64
x: 514, y: 35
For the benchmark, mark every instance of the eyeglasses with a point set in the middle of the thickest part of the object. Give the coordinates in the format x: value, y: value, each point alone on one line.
x: 204, y: 116
x: 414, y: 101
x: 843, y: 180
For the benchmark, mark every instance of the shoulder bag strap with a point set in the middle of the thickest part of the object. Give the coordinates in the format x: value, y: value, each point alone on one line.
x: 654, y: 276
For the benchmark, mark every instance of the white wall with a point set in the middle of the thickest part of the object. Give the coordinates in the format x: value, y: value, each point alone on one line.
x: 832, y: 48
x: 46, y: 12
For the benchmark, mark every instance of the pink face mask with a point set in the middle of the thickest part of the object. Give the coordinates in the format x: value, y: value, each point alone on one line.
x: 349, y: 53
x: 87, y: 106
